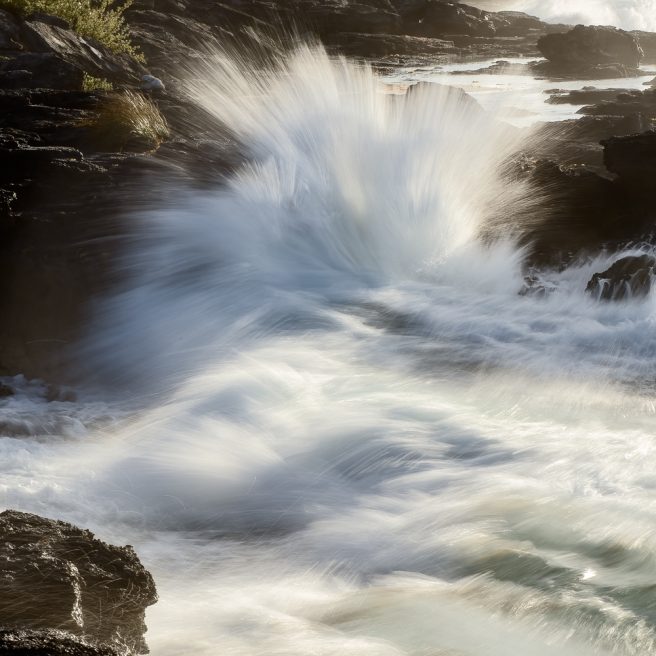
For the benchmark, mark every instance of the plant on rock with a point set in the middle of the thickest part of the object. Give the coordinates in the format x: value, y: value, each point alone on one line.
x: 98, y: 19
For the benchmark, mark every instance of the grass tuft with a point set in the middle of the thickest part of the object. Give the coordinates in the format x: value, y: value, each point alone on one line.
x: 96, y: 19
x: 129, y: 121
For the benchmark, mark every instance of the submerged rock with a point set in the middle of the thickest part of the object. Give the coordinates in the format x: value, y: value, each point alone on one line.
x: 585, y: 47
x: 56, y: 576
x: 629, y: 277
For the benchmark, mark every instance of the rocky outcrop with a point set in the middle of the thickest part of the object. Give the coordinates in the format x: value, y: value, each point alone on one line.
x: 588, y: 51
x: 629, y: 277
x: 633, y: 159
x: 647, y: 42
x: 15, y: 642
x: 44, y: 53
x: 54, y: 576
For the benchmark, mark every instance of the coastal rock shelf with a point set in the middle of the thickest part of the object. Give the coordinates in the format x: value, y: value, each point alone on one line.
x: 56, y: 578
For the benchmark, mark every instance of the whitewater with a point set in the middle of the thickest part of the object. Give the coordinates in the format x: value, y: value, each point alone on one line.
x: 325, y: 417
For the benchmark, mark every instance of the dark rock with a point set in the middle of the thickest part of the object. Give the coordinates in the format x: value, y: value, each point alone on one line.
x: 456, y: 96
x: 647, y: 41
x: 381, y: 45
x: 517, y: 23
x: 629, y: 277
x: 56, y: 576
x: 332, y: 16
x: 586, y: 47
x: 44, y: 70
x: 6, y: 390
x: 58, y: 393
x: 7, y: 197
x: 584, y: 96
x: 582, y: 212
x: 9, y: 31
x: 633, y: 159
x: 434, y: 18
x: 627, y: 102
x: 598, y: 72
x: 83, y: 53
x: 14, y: 642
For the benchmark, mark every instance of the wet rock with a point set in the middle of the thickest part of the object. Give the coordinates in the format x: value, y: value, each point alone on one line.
x: 49, y: 643
x: 584, y: 48
x: 582, y: 211
x: 56, y: 576
x: 629, y: 277
x: 6, y: 390
x: 627, y: 102
x: 151, y: 83
x: 647, y: 41
x: 584, y: 96
x: 9, y: 31
x: 455, y: 95
x: 633, y: 159
x: 517, y: 23
x: 40, y: 70
x: 333, y: 16
x: 536, y: 287
x: 381, y: 45
x: 436, y: 18
x: 61, y: 394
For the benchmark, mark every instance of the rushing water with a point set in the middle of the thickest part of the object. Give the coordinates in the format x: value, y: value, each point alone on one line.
x: 345, y: 431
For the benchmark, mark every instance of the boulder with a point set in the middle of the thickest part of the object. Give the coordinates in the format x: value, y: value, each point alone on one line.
x: 628, y: 277
x: 56, y: 576
x: 585, y: 47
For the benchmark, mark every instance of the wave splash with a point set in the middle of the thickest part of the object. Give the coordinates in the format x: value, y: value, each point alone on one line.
x: 348, y: 186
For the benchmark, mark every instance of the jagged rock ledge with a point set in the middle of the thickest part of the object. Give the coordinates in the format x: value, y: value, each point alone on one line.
x: 63, y: 591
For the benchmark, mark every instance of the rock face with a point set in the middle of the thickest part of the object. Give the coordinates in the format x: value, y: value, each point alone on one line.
x: 56, y: 576
x: 629, y: 277
x: 585, y: 47
x: 633, y: 160
x: 44, y: 53
x: 49, y: 643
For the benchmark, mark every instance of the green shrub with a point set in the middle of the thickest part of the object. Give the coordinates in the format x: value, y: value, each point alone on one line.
x: 96, y: 19
x: 90, y: 83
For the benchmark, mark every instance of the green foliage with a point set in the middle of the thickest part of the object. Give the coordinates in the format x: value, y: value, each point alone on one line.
x: 97, y: 19
x: 90, y: 83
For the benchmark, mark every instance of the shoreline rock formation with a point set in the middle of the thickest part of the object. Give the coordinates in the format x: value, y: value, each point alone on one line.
x: 64, y: 591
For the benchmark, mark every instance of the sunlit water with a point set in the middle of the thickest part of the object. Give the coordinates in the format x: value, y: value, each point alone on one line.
x: 517, y: 98
x: 627, y: 14
x: 334, y: 426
